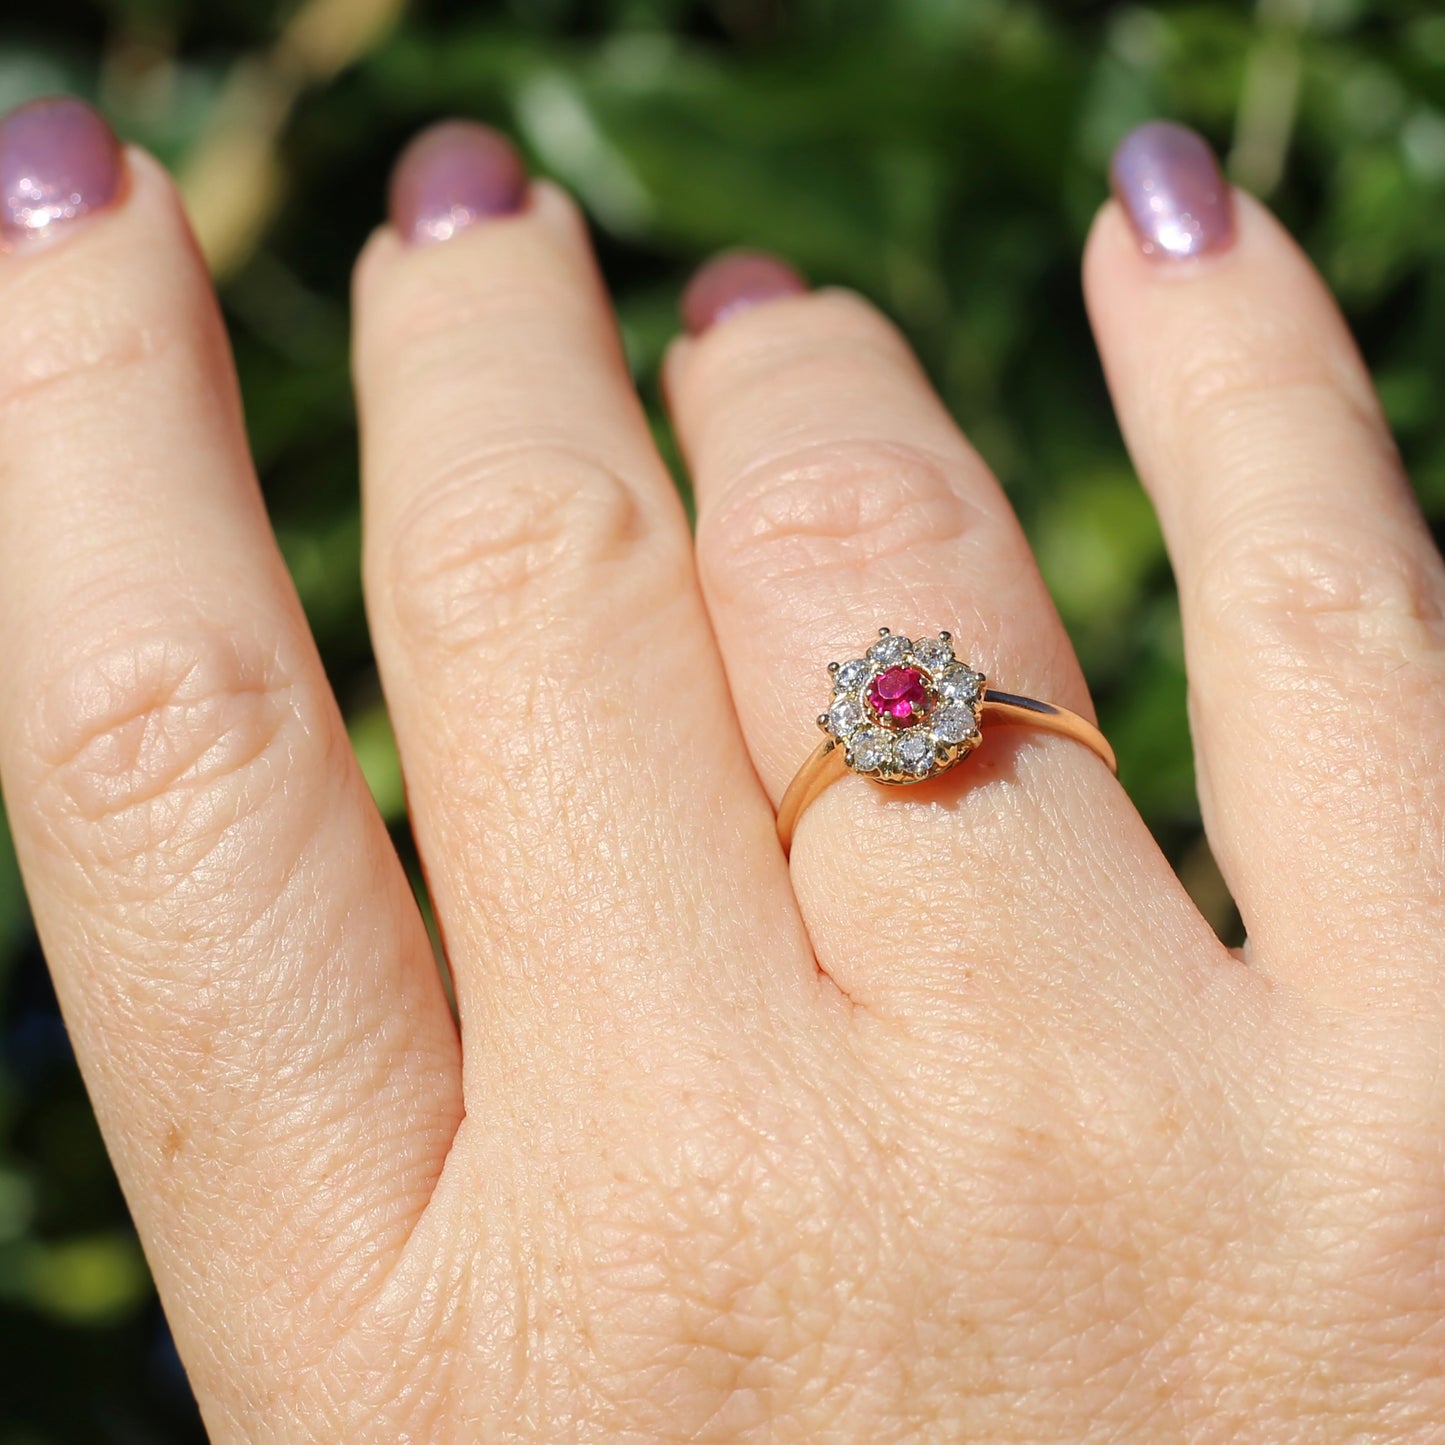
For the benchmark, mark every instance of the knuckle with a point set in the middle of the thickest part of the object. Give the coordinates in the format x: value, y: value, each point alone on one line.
x: 157, y: 756
x: 81, y: 329
x: 62, y: 359
x: 435, y: 313
x: 1341, y: 647
x: 508, y: 538
x: 1215, y: 384
x: 1239, y: 357
x: 1292, y: 598
x: 438, y: 301
x: 1259, y: 405
x: 833, y: 507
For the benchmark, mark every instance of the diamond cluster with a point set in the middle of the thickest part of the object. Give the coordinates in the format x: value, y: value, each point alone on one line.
x: 905, y: 710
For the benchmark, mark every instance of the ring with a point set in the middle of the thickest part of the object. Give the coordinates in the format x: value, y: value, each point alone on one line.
x: 907, y: 711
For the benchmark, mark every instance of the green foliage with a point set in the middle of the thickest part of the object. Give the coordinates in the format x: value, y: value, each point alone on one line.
x: 944, y: 156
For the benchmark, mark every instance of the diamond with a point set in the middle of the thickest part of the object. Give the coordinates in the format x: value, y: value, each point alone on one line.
x: 933, y: 652
x: 954, y: 723
x: 960, y: 684
x: 915, y: 752
x: 898, y: 696
x: 850, y: 675
x: 872, y: 751
x: 845, y: 717
x: 889, y: 650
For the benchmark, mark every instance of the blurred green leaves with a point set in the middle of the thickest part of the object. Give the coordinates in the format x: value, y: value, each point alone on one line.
x: 13, y: 914
x: 89, y: 1280
x: 375, y: 746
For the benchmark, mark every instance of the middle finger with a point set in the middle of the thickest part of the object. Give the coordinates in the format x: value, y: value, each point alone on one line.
x: 559, y: 705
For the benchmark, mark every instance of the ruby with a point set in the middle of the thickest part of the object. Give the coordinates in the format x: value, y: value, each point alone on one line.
x: 898, y: 697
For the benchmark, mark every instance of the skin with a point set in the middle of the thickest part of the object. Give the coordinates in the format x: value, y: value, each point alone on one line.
x: 714, y: 1158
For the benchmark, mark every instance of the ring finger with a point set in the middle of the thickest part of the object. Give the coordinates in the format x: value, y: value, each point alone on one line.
x: 835, y: 495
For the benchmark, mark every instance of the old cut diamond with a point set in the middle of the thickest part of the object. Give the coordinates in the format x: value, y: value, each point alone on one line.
x: 915, y: 752
x: 954, y: 723
x: 850, y: 675
x: 872, y: 751
x: 960, y: 684
x: 888, y: 651
x: 933, y: 652
x: 845, y: 717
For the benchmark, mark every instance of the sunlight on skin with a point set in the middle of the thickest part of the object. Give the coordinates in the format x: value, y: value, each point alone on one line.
x: 963, y: 1125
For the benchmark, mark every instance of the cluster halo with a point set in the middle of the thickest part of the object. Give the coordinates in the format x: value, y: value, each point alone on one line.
x: 906, y: 709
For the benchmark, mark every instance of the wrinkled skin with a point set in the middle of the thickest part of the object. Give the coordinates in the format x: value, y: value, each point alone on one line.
x: 961, y: 1124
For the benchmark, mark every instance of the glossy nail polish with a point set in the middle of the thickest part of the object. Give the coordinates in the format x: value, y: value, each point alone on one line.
x: 59, y: 161
x: 1170, y: 186
x: 452, y: 176
x: 733, y: 282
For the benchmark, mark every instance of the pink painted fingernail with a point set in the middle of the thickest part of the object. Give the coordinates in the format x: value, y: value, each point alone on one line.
x: 59, y: 161
x: 733, y: 282
x: 452, y: 176
x: 1170, y: 186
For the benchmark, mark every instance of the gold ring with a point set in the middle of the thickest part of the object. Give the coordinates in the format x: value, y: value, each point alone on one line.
x: 908, y: 711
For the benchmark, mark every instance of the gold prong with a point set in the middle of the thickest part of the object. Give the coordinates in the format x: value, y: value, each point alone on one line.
x: 823, y: 721
x: 834, y: 666
x: 883, y: 632
x: 945, y: 637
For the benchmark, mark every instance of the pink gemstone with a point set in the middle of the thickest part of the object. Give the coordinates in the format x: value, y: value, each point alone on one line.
x: 897, y: 695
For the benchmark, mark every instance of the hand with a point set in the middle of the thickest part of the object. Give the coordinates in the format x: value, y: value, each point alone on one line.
x: 963, y: 1126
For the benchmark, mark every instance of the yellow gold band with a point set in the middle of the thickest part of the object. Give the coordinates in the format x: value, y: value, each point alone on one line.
x: 826, y: 764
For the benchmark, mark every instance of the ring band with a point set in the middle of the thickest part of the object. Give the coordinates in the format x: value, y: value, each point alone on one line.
x: 908, y: 711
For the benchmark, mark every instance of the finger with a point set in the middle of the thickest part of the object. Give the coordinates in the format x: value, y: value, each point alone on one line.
x: 835, y: 495
x: 559, y: 705
x: 1312, y: 594
x: 244, y: 974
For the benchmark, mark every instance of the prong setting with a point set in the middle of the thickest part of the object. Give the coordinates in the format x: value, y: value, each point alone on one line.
x: 907, y: 710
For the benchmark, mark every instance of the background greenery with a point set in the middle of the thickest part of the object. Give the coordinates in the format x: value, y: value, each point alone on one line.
x: 944, y: 156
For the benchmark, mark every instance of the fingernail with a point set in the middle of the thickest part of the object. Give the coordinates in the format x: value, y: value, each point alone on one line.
x: 453, y: 175
x: 733, y: 282
x: 1166, y: 178
x: 59, y: 161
